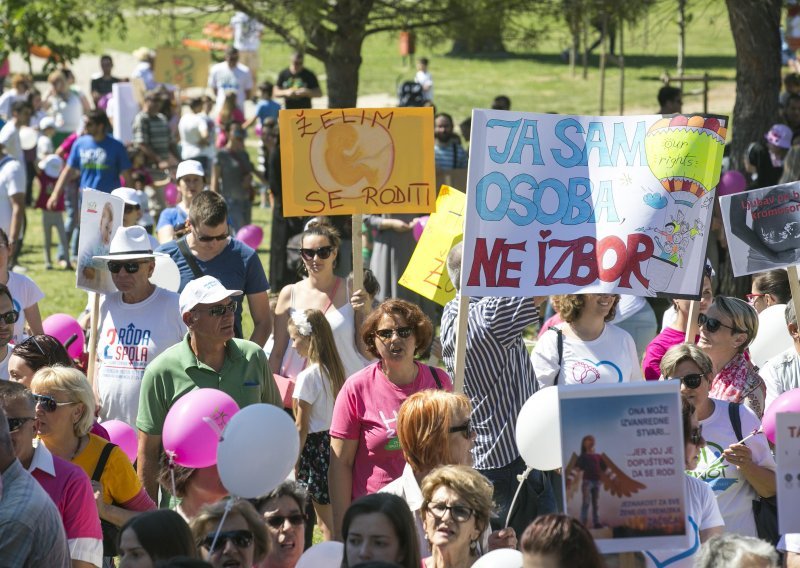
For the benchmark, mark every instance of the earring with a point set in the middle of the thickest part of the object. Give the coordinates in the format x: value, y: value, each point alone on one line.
x: 473, y: 546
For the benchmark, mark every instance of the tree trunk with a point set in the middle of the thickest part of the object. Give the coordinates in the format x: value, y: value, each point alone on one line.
x: 755, y: 26
x: 342, y: 67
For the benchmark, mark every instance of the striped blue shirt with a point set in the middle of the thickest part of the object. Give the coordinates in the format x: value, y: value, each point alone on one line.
x: 499, y: 376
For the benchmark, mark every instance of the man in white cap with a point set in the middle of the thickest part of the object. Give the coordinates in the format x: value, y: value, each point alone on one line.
x: 137, y: 323
x: 191, y: 179
x: 208, y: 357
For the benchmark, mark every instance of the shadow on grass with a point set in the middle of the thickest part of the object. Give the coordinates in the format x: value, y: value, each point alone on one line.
x: 726, y: 62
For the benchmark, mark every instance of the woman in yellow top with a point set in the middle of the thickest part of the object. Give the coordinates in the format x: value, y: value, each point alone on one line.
x: 65, y: 413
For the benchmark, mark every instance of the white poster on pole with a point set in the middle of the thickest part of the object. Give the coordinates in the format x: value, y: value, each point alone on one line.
x: 787, y: 456
x: 101, y: 215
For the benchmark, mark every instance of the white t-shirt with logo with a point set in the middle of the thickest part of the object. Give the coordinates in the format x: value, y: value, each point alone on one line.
x: 611, y: 358
x: 222, y: 78
x: 734, y: 494
x: 703, y: 513
x: 130, y: 337
x: 25, y: 293
x: 313, y: 387
x: 246, y: 32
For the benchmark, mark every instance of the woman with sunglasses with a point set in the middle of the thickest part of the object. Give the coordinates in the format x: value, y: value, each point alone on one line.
x: 365, y: 454
x: 737, y: 472
x: 379, y: 528
x: 26, y: 294
x: 457, y: 504
x: 153, y: 536
x: 320, y: 290
x: 585, y: 349
x: 65, y: 413
x: 282, y: 511
x: 434, y: 428
x: 240, y: 541
x: 705, y: 519
x: 675, y: 332
x: 726, y: 329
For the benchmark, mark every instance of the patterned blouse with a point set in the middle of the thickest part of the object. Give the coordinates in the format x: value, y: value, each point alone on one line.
x: 739, y: 381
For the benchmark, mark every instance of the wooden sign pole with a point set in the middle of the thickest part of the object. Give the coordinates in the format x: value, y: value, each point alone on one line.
x: 93, y: 338
x: 692, y: 327
x: 358, y: 256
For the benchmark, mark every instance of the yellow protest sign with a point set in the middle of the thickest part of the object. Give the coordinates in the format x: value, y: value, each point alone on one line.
x: 349, y: 161
x: 426, y: 273
x: 182, y: 67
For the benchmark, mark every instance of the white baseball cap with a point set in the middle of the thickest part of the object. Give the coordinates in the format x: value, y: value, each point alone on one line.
x: 51, y: 165
x: 129, y: 243
x: 189, y: 167
x: 127, y: 194
x: 204, y: 290
x: 47, y: 122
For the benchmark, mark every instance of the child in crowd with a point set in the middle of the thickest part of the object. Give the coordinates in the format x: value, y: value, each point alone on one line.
x: 44, y: 143
x: 139, y: 183
x: 146, y: 184
x: 265, y: 107
x: 791, y: 85
x: 49, y: 168
x: 229, y: 113
x: 314, y: 394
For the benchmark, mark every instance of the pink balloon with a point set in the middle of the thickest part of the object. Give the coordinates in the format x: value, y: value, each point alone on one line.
x: 194, y: 424
x: 731, y: 182
x: 171, y: 194
x: 787, y: 402
x: 123, y: 435
x: 420, y: 226
x: 251, y: 235
x: 68, y: 331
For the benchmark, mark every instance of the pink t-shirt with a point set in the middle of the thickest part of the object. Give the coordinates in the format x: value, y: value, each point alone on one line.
x: 651, y: 364
x: 366, y: 410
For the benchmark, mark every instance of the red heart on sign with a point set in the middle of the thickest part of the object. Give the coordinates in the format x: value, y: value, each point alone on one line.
x: 545, y: 233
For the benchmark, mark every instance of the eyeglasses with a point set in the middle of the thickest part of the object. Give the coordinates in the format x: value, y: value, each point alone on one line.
x: 751, y: 298
x: 209, y: 238
x: 277, y: 521
x: 321, y: 252
x: 9, y: 317
x: 240, y: 539
x: 114, y: 266
x: 459, y: 513
x: 219, y: 311
x: 48, y: 403
x: 15, y: 424
x: 696, y: 436
x: 402, y: 332
x: 466, y: 428
x: 713, y: 325
x: 692, y: 380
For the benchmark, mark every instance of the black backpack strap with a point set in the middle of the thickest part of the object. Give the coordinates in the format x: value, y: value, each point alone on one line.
x: 187, y: 254
x: 736, y: 419
x: 435, y: 377
x: 560, y: 343
x: 101, y: 462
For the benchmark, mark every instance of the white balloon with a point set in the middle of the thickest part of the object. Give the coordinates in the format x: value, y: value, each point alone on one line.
x: 772, y: 337
x: 258, y: 449
x: 500, y: 558
x: 323, y: 555
x: 166, y: 273
x: 28, y: 138
x: 539, y: 432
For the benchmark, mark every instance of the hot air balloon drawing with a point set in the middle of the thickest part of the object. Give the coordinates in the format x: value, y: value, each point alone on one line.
x: 685, y: 154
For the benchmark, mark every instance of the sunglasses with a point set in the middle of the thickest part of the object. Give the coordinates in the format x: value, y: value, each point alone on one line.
x: 15, y: 424
x: 114, y: 266
x: 219, y: 311
x: 48, y: 403
x: 459, y: 513
x: 9, y: 317
x: 321, y: 252
x: 209, y: 238
x: 696, y: 437
x: 402, y: 332
x: 466, y: 428
x: 277, y: 521
x: 240, y: 539
x: 713, y: 324
x: 692, y: 380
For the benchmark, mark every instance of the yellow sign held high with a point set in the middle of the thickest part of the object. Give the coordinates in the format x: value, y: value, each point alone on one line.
x: 182, y: 67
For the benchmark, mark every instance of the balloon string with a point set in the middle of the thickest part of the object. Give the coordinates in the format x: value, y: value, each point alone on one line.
x: 213, y: 425
x: 522, y: 479
x: 228, y: 507
x: 172, y: 471
x: 742, y: 441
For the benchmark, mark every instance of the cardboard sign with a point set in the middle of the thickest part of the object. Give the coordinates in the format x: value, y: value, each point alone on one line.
x: 101, y: 215
x: 787, y: 456
x: 571, y: 204
x: 426, y: 273
x: 623, y: 449
x: 182, y: 67
x: 122, y: 110
x: 763, y: 228
x: 357, y: 161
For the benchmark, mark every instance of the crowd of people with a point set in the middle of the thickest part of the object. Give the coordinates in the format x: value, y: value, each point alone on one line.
x: 393, y: 463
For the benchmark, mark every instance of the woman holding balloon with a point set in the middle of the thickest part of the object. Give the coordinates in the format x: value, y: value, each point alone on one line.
x: 745, y: 469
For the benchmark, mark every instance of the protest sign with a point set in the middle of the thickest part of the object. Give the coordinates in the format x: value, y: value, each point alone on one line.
x: 568, y: 204
x: 122, y: 110
x: 426, y: 273
x: 787, y: 456
x: 182, y: 67
x: 622, y: 446
x: 101, y: 215
x: 357, y: 161
x: 763, y: 228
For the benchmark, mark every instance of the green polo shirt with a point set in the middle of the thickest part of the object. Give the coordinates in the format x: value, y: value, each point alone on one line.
x: 245, y: 376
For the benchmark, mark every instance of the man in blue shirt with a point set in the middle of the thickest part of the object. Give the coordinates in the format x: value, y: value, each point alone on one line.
x: 97, y: 158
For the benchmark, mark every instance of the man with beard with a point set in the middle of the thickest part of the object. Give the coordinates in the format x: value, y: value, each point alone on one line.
x: 449, y: 153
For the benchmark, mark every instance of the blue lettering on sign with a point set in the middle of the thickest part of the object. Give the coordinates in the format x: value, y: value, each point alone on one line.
x: 596, y: 140
x: 511, y: 152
